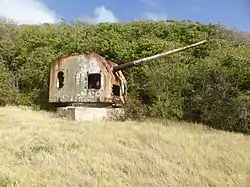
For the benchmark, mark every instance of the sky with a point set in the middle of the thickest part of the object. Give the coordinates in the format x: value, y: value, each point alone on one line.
x: 230, y: 13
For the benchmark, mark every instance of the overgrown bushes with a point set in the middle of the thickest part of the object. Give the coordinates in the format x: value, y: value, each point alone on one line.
x: 5, y: 85
x: 208, y: 84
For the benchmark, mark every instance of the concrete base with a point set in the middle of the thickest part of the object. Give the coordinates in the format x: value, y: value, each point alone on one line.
x: 91, y: 113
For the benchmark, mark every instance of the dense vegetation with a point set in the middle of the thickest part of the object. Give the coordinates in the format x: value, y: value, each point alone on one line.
x: 208, y: 84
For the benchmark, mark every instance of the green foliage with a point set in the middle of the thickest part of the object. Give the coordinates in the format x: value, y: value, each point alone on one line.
x: 6, y: 94
x: 207, y: 84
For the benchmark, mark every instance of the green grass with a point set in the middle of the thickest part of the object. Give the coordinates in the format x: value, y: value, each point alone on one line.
x: 39, y: 150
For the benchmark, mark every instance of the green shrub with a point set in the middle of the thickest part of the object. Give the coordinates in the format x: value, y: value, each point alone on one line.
x: 6, y: 94
x: 238, y: 114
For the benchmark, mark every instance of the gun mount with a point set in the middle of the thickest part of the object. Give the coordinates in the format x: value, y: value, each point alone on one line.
x: 87, y: 86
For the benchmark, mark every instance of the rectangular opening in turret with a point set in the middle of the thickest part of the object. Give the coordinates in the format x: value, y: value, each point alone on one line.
x: 94, y: 81
x: 116, y: 90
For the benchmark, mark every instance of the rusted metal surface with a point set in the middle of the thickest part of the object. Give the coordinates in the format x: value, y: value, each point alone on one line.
x: 77, y: 70
x: 147, y: 59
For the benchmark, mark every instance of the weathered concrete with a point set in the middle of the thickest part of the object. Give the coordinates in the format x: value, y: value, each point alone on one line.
x: 84, y: 113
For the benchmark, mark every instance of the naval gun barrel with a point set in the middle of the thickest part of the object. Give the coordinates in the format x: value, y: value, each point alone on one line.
x: 147, y: 59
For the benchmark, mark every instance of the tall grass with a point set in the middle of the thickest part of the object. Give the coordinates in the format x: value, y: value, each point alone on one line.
x: 40, y: 150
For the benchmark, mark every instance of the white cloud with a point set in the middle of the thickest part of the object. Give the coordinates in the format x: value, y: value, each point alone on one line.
x: 27, y: 11
x: 102, y: 14
x: 155, y: 16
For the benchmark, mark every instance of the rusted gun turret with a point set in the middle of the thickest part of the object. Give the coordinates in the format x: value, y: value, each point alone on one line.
x: 83, y: 85
x: 154, y: 57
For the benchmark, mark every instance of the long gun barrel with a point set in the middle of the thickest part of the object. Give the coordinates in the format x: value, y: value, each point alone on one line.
x: 147, y: 59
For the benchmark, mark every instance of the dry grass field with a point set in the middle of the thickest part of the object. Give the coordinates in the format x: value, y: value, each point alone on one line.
x: 40, y: 150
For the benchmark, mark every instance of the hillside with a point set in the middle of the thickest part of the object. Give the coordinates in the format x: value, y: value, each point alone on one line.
x: 208, y: 84
x: 39, y: 150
